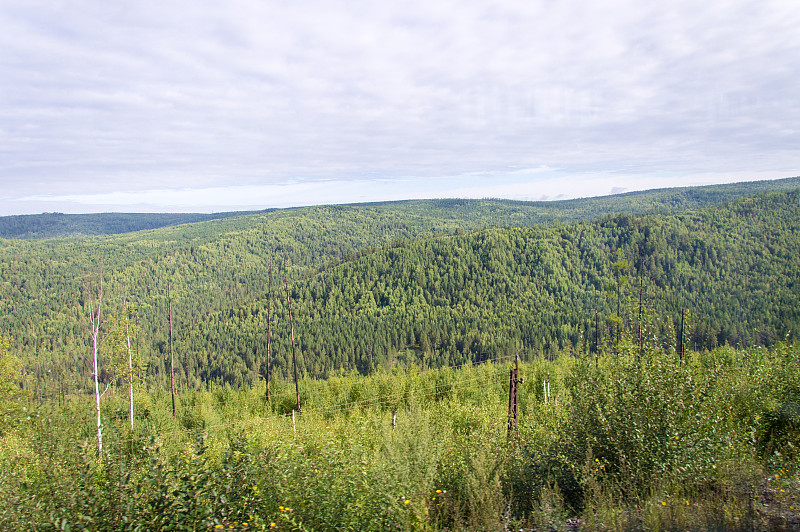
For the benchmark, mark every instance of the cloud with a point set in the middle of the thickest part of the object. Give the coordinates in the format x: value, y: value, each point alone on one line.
x: 96, y: 98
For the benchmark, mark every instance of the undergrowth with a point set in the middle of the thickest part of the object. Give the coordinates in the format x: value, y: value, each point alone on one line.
x: 624, y: 442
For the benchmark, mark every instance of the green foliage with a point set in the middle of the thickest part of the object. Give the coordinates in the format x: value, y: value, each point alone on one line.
x: 11, y: 395
x: 58, y: 225
x: 626, y: 444
x: 124, y: 362
x: 645, y: 421
x: 778, y: 436
x: 619, y: 435
x: 447, y: 300
x: 367, y: 296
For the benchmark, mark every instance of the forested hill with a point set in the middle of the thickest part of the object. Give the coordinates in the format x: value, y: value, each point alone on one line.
x: 472, y: 213
x: 453, y: 299
x: 59, y: 225
x: 221, y: 268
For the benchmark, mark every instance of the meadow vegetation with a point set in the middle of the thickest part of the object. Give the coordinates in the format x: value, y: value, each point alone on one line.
x: 618, y: 441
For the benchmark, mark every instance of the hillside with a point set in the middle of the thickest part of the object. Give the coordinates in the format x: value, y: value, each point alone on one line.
x: 58, y: 225
x: 404, y: 416
x: 448, y: 300
x: 221, y: 268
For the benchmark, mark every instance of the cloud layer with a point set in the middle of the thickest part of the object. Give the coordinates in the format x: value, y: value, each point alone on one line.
x: 150, y: 99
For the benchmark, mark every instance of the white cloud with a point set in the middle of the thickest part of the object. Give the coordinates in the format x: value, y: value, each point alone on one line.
x: 97, y: 97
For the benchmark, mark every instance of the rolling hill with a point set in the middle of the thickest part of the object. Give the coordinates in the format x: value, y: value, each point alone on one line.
x: 435, y: 282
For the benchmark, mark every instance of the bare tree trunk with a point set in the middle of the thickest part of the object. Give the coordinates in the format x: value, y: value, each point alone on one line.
x: 171, y: 355
x: 130, y: 366
x: 619, y: 311
x: 641, y: 315
x: 95, y: 315
x: 269, y: 331
x: 97, y: 391
x: 291, y: 324
x: 596, y: 330
x: 682, y: 338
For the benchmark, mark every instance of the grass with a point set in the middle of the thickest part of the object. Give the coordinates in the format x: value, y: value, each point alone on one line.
x: 632, y: 443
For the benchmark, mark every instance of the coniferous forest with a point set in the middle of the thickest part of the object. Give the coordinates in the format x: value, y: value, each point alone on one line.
x: 347, y: 367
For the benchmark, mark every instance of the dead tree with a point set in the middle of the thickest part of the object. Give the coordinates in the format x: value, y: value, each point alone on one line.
x: 93, y: 303
x: 133, y: 361
x: 269, y: 331
x: 682, y: 337
x: 130, y: 363
x: 171, y: 354
x: 640, y: 331
x: 291, y: 325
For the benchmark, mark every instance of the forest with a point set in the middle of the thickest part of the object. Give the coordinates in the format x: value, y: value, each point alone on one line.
x: 655, y: 333
x: 447, y: 300
x: 59, y: 225
x: 374, y: 287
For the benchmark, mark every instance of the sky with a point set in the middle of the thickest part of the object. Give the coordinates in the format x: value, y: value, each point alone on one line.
x: 200, y: 106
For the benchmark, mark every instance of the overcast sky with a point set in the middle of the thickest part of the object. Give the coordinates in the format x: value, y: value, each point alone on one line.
x: 206, y: 106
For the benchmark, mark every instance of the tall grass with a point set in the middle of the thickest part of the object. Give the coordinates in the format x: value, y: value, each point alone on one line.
x: 634, y: 442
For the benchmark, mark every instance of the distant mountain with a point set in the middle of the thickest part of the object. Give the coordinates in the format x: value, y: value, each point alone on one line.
x: 59, y: 225
x: 487, y: 214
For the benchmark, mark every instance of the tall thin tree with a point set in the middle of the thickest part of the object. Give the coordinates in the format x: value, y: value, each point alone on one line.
x: 596, y: 328
x: 269, y: 330
x: 124, y: 363
x: 130, y: 363
x: 94, y: 304
x: 682, y: 337
x: 620, y: 268
x: 291, y: 325
x: 640, y: 329
x: 171, y: 354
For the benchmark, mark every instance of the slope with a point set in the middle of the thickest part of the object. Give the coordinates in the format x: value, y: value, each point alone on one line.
x: 222, y: 265
x: 59, y: 225
x: 453, y: 299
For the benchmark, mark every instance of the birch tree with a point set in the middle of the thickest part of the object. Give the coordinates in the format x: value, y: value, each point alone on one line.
x: 93, y: 304
x: 125, y: 362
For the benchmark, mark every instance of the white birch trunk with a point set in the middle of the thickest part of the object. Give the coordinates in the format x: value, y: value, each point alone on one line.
x: 97, y: 394
x: 130, y: 367
x: 94, y: 318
